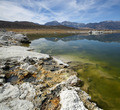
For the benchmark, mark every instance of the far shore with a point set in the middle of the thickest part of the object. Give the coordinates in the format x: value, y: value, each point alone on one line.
x: 59, y: 31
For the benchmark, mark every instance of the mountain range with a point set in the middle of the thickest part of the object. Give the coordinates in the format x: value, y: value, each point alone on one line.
x: 114, y: 25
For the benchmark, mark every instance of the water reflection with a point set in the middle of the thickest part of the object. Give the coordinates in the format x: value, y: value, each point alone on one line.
x: 101, y: 38
x: 97, y: 60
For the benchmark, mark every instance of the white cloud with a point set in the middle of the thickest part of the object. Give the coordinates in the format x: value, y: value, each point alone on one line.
x: 42, y: 11
x: 12, y: 11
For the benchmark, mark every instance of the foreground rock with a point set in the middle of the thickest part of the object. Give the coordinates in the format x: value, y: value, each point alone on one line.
x: 16, y: 97
x: 35, y: 81
x: 70, y: 100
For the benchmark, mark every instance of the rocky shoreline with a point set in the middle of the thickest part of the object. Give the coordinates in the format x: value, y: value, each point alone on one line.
x: 36, y: 81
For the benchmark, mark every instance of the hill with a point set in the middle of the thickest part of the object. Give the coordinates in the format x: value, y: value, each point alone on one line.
x: 28, y: 25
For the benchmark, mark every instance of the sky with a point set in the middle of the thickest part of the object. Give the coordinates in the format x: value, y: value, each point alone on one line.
x: 42, y: 11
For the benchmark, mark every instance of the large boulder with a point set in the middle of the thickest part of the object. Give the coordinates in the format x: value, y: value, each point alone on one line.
x: 21, y: 38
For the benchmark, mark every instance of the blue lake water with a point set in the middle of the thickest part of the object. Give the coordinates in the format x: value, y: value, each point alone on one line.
x: 97, y: 60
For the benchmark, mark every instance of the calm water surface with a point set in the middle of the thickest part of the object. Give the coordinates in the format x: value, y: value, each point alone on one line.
x: 97, y: 60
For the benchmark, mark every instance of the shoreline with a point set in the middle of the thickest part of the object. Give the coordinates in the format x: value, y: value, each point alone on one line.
x: 37, y: 80
x: 59, y: 31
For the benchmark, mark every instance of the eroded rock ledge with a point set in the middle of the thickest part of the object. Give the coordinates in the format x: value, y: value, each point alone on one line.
x: 35, y: 81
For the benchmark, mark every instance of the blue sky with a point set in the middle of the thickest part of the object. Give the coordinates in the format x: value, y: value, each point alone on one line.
x: 41, y: 11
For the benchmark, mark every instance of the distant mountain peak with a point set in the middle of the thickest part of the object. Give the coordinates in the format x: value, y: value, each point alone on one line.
x: 52, y: 23
x: 65, y: 23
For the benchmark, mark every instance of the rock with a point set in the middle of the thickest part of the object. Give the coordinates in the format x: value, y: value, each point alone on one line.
x: 8, y: 92
x: 29, y: 60
x: 21, y: 38
x: 2, y: 75
x: 24, y: 66
x: 17, y: 98
x: 97, y: 108
x: 70, y: 100
x: 25, y: 40
x: 11, y: 38
x: 2, y: 30
x: 51, y: 67
x: 18, y: 104
x: 2, y: 81
x: 4, y: 107
x: 31, y: 49
x: 74, y: 81
x: 29, y: 78
x: 71, y: 81
x: 31, y: 68
x: 12, y: 79
x: 70, y: 86
x: 59, y: 62
x: 6, y: 67
x: 39, y: 86
x: 27, y: 91
x: 5, y: 37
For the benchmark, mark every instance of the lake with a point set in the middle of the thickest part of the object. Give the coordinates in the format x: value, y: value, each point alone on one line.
x: 95, y: 58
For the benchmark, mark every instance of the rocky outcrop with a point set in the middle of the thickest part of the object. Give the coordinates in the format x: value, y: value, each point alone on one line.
x: 36, y: 81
